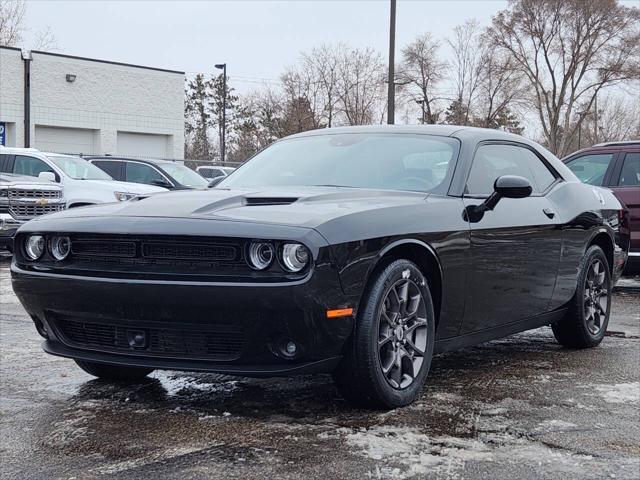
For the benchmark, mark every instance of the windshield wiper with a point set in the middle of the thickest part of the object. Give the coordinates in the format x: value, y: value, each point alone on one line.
x: 332, y: 185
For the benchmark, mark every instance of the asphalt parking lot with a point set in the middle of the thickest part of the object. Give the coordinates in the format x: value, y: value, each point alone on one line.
x: 521, y: 407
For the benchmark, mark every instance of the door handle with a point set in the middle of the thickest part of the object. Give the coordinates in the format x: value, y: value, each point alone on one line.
x: 549, y: 213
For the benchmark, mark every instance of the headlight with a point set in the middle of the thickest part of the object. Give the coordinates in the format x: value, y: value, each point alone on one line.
x: 60, y: 247
x: 294, y: 257
x: 34, y: 246
x: 124, y: 196
x: 260, y: 255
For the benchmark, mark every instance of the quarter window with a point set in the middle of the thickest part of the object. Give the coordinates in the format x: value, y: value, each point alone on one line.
x: 141, y: 173
x: 591, y: 169
x: 493, y: 161
x: 30, y: 166
x: 630, y: 174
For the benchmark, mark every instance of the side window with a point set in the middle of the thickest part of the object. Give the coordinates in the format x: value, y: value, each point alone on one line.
x: 493, y: 161
x: 110, y: 167
x: 30, y: 166
x: 141, y: 173
x: 591, y: 169
x: 630, y: 174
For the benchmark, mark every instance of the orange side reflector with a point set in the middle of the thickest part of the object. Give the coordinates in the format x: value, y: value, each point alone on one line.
x: 340, y: 312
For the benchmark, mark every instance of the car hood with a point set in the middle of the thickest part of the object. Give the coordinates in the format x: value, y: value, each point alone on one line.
x: 308, y: 207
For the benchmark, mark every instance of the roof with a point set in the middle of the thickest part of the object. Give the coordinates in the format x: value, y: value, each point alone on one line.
x: 439, y: 130
x: 621, y: 143
x: 133, y: 159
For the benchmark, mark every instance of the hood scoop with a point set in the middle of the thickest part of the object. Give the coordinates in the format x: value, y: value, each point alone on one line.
x: 265, y: 201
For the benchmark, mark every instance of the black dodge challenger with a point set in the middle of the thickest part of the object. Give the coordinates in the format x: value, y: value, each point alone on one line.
x: 358, y: 251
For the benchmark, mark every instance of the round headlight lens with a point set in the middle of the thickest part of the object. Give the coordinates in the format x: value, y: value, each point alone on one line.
x: 295, y: 257
x: 60, y: 247
x: 34, y: 247
x: 260, y: 255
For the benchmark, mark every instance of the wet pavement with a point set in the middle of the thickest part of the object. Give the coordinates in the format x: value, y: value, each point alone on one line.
x: 521, y: 407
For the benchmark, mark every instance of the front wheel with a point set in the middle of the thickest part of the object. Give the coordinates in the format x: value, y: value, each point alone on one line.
x: 114, y: 373
x: 387, y: 361
x: 585, y: 323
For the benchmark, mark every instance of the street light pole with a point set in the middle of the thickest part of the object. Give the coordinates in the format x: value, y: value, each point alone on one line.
x: 223, y: 67
x: 391, y: 95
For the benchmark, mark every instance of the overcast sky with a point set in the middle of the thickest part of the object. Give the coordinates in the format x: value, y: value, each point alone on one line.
x: 257, y: 39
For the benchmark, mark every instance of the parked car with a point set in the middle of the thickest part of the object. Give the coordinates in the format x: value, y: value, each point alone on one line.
x: 83, y: 183
x: 359, y: 251
x: 23, y: 199
x: 161, y: 173
x: 211, y: 171
x: 615, y: 165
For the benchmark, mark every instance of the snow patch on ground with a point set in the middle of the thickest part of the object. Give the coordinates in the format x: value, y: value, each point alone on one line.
x: 620, y: 393
x: 555, y: 426
x: 174, y: 384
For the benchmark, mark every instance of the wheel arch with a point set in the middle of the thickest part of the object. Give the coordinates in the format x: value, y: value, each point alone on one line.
x: 603, y: 239
x: 420, y: 253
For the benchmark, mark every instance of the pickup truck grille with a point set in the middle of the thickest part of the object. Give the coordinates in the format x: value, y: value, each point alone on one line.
x: 26, y: 203
x: 17, y: 193
x: 26, y: 212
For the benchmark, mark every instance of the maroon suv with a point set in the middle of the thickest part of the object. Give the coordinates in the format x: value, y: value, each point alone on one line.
x: 615, y: 165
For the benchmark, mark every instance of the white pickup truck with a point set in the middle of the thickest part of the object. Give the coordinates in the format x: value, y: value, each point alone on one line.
x: 82, y: 182
x: 23, y: 198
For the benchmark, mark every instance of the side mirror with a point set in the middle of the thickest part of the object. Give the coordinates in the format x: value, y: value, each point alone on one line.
x: 506, y: 186
x: 161, y: 183
x: 49, y: 176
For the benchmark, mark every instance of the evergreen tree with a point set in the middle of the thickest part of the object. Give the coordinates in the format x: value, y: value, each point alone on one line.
x: 198, y: 118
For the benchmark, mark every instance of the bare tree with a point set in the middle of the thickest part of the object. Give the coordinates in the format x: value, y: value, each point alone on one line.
x: 361, y: 85
x: 421, y: 70
x: 569, y: 50
x: 499, y: 92
x: 304, y: 95
x: 45, y: 40
x: 323, y: 63
x: 12, y: 13
x: 465, y: 69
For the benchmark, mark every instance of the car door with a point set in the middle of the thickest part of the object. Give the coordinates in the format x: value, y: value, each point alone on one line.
x: 515, y: 248
x: 113, y: 168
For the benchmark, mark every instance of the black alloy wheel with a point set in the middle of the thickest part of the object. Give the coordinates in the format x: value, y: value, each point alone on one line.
x: 386, y: 363
x: 586, y: 320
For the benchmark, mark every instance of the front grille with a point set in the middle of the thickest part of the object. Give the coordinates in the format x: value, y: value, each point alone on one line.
x: 218, y: 342
x: 15, y: 193
x: 181, y: 251
x: 101, y: 248
x: 28, y: 211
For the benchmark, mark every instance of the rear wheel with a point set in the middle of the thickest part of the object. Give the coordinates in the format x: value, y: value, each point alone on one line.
x: 389, y: 356
x: 113, y: 372
x: 585, y: 323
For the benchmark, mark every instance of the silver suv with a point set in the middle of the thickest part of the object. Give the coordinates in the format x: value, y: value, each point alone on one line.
x: 23, y: 198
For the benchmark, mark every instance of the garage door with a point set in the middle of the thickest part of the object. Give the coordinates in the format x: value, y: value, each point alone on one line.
x: 65, y: 140
x: 142, y: 145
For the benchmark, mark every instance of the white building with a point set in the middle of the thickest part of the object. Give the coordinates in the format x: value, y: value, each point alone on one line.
x: 68, y: 104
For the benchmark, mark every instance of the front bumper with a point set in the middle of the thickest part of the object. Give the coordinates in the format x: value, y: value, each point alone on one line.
x: 218, y: 327
x: 8, y: 228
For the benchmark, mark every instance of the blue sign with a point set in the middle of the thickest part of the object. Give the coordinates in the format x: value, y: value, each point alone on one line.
x: 3, y: 134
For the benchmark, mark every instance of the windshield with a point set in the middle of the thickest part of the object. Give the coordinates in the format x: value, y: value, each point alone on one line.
x: 379, y: 161
x: 78, y: 168
x: 185, y: 175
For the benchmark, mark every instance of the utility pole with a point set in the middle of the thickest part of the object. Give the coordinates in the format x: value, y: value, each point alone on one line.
x: 223, y: 67
x: 391, y: 100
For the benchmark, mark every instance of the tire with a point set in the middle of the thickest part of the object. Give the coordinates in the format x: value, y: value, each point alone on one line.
x: 113, y: 372
x: 585, y: 323
x: 361, y: 376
